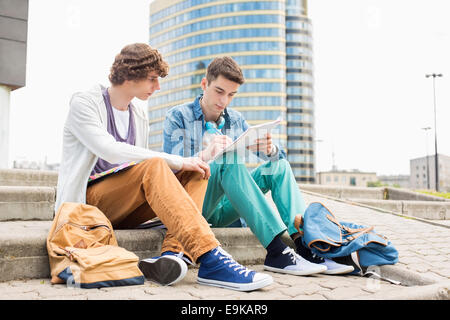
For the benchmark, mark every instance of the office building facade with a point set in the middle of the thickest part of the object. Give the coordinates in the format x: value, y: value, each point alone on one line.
x: 423, y: 173
x: 270, y: 40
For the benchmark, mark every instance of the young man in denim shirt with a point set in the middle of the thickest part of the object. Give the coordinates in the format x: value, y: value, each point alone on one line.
x: 232, y: 191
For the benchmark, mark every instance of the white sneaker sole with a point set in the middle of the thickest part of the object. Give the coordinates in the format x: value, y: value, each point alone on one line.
x: 319, y: 269
x: 268, y: 280
x: 343, y: 270
x: 165, y: 270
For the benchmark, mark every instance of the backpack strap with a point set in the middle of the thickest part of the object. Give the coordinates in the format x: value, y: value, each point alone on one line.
x: 367, y: 272
x: 298, y: 222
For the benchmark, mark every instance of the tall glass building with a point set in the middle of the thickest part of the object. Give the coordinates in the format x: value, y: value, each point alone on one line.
x: 270, y: 40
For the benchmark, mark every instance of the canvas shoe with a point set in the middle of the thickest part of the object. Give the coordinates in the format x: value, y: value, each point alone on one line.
x: 290, y: 262
x: 165, y: 270
x: 333, y: 268
x: 219, y: 269
x: 179, y: 255
x: 336, y: 268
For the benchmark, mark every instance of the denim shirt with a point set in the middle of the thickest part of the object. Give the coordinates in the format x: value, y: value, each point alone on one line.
x: 184, y: 128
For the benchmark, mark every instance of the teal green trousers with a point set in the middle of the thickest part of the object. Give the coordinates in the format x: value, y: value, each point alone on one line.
x: 233, y: 192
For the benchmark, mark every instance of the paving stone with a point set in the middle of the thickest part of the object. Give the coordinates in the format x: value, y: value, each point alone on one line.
x: 344, y: 293
x: 445, y: 272
x: 437, y: 277
x: 19, y: 296
x: 297, y: 290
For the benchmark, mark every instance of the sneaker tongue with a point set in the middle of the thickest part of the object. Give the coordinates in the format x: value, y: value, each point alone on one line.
x: 223, y: 252
x: 317, y: 259
x: 308, y: 255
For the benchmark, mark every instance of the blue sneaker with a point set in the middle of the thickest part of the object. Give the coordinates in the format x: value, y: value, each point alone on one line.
x: 164, y: 270
x: 218, y: 268
x: 179, y: 255
x: 291, y: 263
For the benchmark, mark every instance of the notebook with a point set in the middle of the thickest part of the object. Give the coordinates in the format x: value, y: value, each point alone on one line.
x: 96, y: 177
x: 249, y: 136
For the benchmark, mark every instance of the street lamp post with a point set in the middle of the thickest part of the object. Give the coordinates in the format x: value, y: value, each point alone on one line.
x: 428, y: 162
x: 316, y: 154
x: 436, y: 163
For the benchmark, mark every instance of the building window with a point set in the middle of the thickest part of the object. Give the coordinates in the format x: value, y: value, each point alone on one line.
x: 352, y: 181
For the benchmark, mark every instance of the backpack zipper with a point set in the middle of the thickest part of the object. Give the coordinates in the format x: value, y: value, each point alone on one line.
x: 85, y: 228
x: 88, y: 228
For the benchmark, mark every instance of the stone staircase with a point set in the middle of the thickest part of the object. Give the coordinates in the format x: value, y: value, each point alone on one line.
x: 27, y: 200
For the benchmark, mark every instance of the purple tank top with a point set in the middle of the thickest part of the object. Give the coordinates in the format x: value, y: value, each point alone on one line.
x: 103, y: 165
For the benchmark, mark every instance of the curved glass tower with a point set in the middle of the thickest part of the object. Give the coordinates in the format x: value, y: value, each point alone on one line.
x: 299, y: 89
x: 191, y: 33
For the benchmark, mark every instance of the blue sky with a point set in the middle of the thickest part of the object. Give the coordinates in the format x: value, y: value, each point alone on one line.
x: 370, y: 61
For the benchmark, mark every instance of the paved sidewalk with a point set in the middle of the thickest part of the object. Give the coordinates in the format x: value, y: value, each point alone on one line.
x: 430, y: 259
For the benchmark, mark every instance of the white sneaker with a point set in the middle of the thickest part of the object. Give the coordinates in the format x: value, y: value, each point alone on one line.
x: 290, y: 262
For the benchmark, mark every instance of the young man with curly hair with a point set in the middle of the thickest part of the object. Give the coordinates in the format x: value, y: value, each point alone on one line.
x: 104, y: 132
x: 233, y: 192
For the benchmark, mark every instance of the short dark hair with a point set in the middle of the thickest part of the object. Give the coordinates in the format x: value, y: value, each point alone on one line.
x: 226, y: 67
x: 135, y: 61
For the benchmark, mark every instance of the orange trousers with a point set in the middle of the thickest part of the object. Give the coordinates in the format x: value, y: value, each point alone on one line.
x: 150, y: 188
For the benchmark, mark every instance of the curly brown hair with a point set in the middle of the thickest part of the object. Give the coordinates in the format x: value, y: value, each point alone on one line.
x: 135, y: 61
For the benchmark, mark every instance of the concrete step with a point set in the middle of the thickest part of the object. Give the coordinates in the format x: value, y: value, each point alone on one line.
x: 436, y: 210
x: 23, y: 251
x: 26, y: 177
x: 37, y: 203
x: 27, y: 203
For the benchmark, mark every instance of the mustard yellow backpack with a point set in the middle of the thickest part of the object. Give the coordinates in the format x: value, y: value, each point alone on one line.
x: 83, y: 250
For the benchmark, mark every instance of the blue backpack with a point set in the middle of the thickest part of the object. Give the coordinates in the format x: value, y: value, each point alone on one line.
x: 344, y: 242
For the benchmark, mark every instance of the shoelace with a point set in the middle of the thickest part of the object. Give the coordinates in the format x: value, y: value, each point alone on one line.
x: 233, y: 263
x: 185, y: 259
x: 317, y: 259
x: 291, y: 252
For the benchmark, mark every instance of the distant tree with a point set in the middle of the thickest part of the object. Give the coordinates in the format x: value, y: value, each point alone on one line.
x: 374, y: 184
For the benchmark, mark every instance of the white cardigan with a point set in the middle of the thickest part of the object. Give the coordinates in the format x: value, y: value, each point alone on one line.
x: 86, y: 139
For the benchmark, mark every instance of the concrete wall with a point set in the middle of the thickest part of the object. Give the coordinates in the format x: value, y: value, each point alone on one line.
x: 401, y: 194
x: 13, y: 42
x: 345, y: 192
x: 13, y: 60
x: 4, y: 125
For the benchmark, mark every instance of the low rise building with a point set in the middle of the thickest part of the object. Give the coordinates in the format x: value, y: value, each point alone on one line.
x: 354, y: 178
